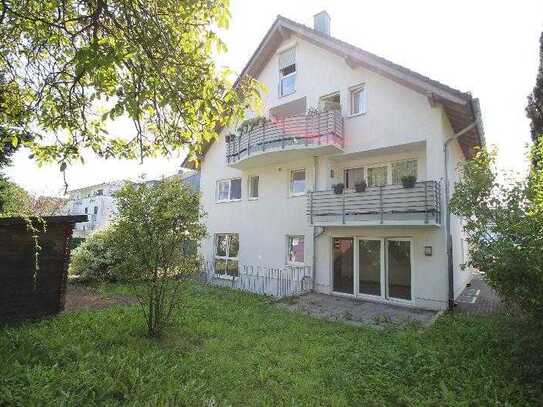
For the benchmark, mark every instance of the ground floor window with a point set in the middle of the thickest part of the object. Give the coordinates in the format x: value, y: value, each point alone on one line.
x: 295, y: 249
x: 226, y: 254
x: 253, y: 187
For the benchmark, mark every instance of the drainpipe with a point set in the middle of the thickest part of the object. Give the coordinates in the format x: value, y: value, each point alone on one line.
x: 450, y: 264
x: 315, y: 234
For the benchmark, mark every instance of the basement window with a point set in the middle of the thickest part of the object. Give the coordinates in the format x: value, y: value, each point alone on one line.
x: 226, y: 254
x: 295, y: 250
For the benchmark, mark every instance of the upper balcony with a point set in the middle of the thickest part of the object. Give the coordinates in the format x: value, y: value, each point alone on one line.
x: 287, y: 139
x: 392, y: 205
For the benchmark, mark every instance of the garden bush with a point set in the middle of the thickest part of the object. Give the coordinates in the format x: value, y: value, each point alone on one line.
x: 97, y: 258
x: 503, y: 221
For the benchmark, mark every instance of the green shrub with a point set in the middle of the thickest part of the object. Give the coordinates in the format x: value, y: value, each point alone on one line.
x: 97, y: 258
x: 503, y: 222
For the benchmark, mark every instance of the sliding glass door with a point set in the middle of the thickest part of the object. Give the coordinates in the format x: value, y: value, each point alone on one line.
x: 343, y: 265
x: 399, y: 268
x: 370, y: 266
x: 373, y: 267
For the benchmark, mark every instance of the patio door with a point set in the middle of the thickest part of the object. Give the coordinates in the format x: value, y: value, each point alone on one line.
x: 370, y: 267
x: 398, y: 268
x: 383, y: 268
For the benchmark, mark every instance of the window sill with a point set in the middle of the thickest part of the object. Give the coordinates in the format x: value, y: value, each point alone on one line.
x: 286, y: 94
x: 355, y: 115
x: 297, y: 195
x: 229, y: 201
x: 225, y: 277
x: 295, y: 264
x: 252, y: 199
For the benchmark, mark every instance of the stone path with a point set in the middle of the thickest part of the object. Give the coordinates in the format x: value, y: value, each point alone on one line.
x: 478, y: 298
x: 356, y: 312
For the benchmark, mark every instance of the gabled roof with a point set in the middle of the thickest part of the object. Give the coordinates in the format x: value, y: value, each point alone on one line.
x: 461, y: 108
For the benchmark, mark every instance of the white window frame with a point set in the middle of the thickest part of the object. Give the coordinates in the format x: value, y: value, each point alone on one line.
x: 389, y: 166
x: 403, y: 161
x: 388, y: 175
x: 294, y: 263
x: 290, y: 182
x: 353, y: 168
x: 250, y: 188
x: 282, y: 77
x: 229, y: 180
x: 227, y: 257
x: 363, y: 98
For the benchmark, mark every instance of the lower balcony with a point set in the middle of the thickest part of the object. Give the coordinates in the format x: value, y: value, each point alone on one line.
x: 392, y: 205
x: 287, y: 139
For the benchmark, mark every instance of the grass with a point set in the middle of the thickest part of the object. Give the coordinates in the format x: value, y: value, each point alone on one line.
x: 231, y: 348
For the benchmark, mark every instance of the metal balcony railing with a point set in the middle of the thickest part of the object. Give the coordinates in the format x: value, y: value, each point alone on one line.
x: 324, y: 128
x: 379, y: 205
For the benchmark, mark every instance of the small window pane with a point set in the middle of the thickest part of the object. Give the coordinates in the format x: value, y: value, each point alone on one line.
x: 295, y: 249
x: 402, y: 169
x: 224, y: 190
x: 220, y: 249
x: 232, y: 268
x: 233, y: 245
x: 288, y: 84
x: 288, y: 70
x: 95, y: 210
x: 377, y: 176
x: 297, y: 182
x: 220, y: 266
x: 235, y: 188
x: 353, y: 176
x: 253, y: 187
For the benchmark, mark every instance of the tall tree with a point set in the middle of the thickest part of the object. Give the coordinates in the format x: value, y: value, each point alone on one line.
x: 74, y: 65
x: 534, y: 110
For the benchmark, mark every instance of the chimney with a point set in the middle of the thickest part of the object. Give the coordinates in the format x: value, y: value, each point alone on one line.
x: 321, y: 22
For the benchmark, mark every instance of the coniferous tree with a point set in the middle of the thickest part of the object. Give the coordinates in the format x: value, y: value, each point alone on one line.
x: 534, y: 110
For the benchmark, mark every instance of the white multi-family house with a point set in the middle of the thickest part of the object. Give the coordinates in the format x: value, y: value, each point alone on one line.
x: 95, y: 201
x: 345, y: 174
x: 98, y: 202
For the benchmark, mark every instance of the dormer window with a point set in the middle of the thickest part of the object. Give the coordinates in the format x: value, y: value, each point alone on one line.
x: 287, y: 72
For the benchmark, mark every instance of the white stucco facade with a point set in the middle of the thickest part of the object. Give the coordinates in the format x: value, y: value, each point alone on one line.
x: 398, y: 124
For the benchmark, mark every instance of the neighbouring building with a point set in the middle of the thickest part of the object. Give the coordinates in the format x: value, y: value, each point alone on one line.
x: 95, y: 201
x: 99, y: 202
x: 344, y: 175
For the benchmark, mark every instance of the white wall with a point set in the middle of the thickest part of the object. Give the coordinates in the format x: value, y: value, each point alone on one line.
x: 429, y: 277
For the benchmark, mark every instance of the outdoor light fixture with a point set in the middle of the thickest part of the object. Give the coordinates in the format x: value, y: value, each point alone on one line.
x: 427, y: 250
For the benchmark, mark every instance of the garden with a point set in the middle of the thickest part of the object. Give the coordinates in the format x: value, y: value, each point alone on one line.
x: 225, y: 347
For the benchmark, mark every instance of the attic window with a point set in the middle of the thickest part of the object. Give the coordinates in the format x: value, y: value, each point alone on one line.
x: 287, y: 72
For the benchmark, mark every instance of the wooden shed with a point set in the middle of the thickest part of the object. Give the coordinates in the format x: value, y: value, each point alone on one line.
x: 27, y: 291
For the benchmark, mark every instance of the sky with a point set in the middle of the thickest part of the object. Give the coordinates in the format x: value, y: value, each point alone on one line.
x: 487, y: 47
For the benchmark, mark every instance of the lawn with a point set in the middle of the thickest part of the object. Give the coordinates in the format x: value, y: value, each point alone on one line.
x: 232, y: 348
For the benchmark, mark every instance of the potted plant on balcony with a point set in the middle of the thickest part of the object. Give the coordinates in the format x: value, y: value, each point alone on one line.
x: 360, y: 186
x: 338, y: 188
x: 249, y: 124
x: 408, y: 181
